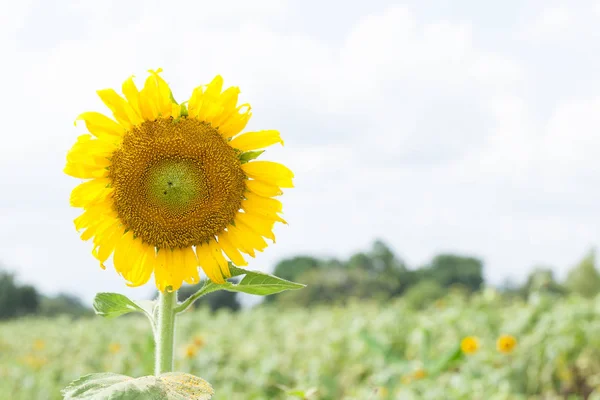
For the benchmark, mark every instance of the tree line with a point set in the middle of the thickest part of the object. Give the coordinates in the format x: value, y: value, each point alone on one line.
x: 377, y: 274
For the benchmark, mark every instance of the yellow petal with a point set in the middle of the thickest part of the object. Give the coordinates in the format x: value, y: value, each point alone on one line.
x: 269, y: 172
x: 195, y: 101
x: 262, y: 213
x: 84, y: 171
x: 90, y: 192
x: 258, y: 224
x: 247, y: 236
x: 132, y: 94
x: 256, y: 140
x: 217, y: 254
x: 189, y: 264
x: 230, y: 250
x: 105, y: 243
x: 142, y: 264
x: 263, y: 203
x: 165, y: 271
x: 122, y: 259
x: 101, y: 126
x: 261, y: 188
x: 122, y: 111
x: 228, y: 101
x: 238, y: 242
x: 211, y: 105
x: 175, y: 110
x: 162, y: 93
x: 236, y: 121
x: 89, y: 158
x: 162, y: 278
x: 96, y: 219
x: 176, y: 265
x: 208, y: 263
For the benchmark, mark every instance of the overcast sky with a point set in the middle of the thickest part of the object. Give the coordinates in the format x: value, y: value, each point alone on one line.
x: 438, y: 126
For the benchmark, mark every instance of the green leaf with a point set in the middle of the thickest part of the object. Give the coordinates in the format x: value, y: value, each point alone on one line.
x: 111, y: 305
x: 254, y: 282
x: 170, y: 386
x: 259, y: 283
x: 250, y: 155
x: 114, y: 387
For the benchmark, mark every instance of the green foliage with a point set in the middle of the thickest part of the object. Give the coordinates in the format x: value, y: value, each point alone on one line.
x: 16, y: 300
x: 423, y: 293
x: 376, y: 274
x: 293, y: 268
x: 62, y: 304
x: 255, y: 353
x: 584, y: 278
x: 541, y: 280
x: 449, y: 270
x: 109, y: 386
x: 253, y: 282
x: 250, y: 155
x: 111, y: 305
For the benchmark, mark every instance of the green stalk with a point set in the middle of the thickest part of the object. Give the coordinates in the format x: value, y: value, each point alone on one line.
x: 165, y: 332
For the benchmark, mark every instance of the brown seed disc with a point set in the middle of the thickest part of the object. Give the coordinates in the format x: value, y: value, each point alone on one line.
x: 176, y: 183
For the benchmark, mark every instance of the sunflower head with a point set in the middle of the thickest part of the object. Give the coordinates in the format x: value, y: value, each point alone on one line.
x: 170, y: 187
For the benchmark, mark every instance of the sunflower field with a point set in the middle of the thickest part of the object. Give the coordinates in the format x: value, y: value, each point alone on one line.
x: 359, y: 351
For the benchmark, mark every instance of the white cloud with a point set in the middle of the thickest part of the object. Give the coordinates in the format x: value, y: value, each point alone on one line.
x: 552, y: 23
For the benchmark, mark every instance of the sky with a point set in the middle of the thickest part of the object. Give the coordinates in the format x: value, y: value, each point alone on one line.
x: 442, y: 126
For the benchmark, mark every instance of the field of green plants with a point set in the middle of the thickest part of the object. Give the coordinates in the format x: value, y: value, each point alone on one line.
x: 359, y: 351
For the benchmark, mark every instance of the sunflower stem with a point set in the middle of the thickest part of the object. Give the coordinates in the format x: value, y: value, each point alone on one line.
x: 165, y: 332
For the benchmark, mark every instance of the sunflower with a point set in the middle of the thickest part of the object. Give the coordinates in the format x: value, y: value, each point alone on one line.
x: 171, y: 187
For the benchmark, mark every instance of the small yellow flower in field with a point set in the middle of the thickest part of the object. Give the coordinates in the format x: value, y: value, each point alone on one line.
x: 419, y: 374
x: 506, y: 344
x: 406, y: 379
x: 39, y: 344
x: 469, y: 345
x: 382, y: 391
x: 190, y: 351
x: 34, y: 362
x: 114, y: 347
x: 198, y: 341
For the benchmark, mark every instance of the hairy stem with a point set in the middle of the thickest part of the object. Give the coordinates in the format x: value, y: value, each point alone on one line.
x: 165, y: 332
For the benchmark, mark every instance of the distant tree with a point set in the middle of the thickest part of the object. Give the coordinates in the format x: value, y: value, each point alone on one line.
x: 450, y: 269
x: 8, y: 296
x: 63, y: 304
x: 423, y: 293
x: 376, y: 274
x: 16, y: 300
x: 335, y: 286
x: 584, y: 278
x: 29, y: 299
x: 541, y: 279
x: 292, y: 268
x: 384, y: 259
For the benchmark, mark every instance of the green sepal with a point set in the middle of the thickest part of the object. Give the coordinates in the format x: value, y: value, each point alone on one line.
x: 250, y: 155
x: 183, y: 109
